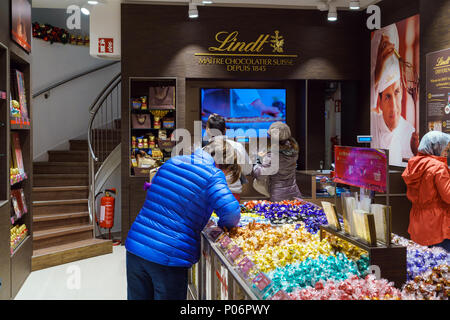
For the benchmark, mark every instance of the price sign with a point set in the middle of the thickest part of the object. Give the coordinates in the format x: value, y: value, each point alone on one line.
x: 209, y: 224
x: 224, y: 242
x: 245, y: 265
x: 261, y: 281
x: 214, y: 233
x: 234, y: 252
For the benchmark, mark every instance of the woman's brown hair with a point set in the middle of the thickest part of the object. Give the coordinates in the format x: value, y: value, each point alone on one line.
x: 226, y: 159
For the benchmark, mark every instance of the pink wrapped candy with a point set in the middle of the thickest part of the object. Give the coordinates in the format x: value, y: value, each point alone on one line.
x: 353, y: 288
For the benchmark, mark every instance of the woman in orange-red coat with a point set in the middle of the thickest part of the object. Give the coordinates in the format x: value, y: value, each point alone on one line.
x: 427, y: 178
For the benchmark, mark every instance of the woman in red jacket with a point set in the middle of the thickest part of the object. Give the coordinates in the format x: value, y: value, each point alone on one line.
x: 427, y: 178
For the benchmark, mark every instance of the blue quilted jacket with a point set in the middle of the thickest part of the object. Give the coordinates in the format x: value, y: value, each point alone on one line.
x: 178, y: 205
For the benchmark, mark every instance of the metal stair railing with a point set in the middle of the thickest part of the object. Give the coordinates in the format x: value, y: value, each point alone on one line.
x: 103, y: 132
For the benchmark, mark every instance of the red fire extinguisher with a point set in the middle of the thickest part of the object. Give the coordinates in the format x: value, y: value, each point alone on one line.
x: 107, y: 202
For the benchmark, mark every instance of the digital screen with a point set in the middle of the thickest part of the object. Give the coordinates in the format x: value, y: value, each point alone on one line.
x: 364, y: 139
x: 248, y: 113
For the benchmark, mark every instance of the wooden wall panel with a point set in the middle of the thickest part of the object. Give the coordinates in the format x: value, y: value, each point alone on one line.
x: 434, y: 36
x: 325, y: 51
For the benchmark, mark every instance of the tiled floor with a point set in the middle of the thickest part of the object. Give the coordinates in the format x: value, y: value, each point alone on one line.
x: 98, y: 278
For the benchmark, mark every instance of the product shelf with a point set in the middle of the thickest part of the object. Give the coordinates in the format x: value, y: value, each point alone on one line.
x: 18, y: 178
x: 21, y: 244
x: 16, y: 218
x: 20, y: 124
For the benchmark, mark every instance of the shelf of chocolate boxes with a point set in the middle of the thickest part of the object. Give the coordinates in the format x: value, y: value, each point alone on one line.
x: 150, y: 149
x: 18, y: 234
x: 280, y: 240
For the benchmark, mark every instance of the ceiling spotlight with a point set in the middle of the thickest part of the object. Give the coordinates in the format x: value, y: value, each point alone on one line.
x: 93, y: 2
x: 85, y: 11
x: 354, y: 5
x: 193, y: 12
x: 332, y: 14
x: 207, y: 2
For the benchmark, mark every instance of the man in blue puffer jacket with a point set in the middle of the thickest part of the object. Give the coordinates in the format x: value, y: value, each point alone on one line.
x: 164, y: 240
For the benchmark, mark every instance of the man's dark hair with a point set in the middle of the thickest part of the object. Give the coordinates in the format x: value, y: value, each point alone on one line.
x: 217, y: 122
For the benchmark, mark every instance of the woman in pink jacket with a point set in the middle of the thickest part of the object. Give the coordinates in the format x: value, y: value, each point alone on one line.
x: 427, y: 178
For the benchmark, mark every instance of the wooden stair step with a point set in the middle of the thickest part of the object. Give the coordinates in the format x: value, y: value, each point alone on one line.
x: 68, y: 155
x: 60, y: 167
x: 69, y: 252
x: 51, y: 180
x: 78, y: 144
x: 59, y: 206
x: 58, y: 220
x: 57, y: 232
x: 59, y: 216
x: 60, y: 193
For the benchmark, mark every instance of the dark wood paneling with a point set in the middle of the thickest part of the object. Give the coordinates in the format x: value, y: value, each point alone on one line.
x: 434, y: 36
x: 326, y: 51
x: 137, y: 197
x: 315, y: 151
x: 5, y: 266
x: 21, y: 266
x: 4, y: 21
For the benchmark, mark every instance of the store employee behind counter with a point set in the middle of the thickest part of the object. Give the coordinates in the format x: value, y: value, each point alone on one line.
x: 427, y: 178
x: 164, y: 240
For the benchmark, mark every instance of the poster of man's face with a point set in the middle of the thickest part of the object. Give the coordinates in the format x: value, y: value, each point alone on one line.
x: 394, y: 123
x: 21, y: 23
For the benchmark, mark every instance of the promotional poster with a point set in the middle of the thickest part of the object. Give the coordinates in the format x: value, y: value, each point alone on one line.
x: 394, y: 122
x: 21, y: 23
x: 438, y: 91
x: 361, y: 167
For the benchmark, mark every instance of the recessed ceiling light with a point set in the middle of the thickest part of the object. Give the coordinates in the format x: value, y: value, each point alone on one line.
x: 207, y: 2
x: 93, y: 2
x: 85, y: 11
x: 354, y: 5
x: 193, y: 12
x: 332, y: 14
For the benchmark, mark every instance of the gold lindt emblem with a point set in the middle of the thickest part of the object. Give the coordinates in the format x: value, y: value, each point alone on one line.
x: 229, y: 42
x: 441, y: 62
x: 277, y: 42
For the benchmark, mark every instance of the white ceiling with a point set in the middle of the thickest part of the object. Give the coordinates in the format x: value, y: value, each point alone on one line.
x: 287, y: 4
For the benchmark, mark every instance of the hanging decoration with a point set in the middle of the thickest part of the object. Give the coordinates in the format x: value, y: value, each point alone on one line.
x: 53, y: 34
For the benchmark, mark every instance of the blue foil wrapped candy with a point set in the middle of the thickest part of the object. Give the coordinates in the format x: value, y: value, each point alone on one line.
x: 310, y: 271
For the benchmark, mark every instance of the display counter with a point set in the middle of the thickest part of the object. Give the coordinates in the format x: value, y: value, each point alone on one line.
x: 312, y: 188
x: 269, y: 257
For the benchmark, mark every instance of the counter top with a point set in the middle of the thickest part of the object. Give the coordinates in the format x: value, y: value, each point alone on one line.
x: 314, y: 172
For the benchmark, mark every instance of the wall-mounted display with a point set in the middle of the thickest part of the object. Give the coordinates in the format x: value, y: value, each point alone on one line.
x: 244, y: 109
x: 152, y: 123
x: 438, y: 91
x: 394, y: 105
x: 21, y: 23
x: 162, y: 97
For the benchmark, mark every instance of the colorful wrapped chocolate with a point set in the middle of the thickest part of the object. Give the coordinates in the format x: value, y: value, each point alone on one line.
x: 432, y: 285
x: 353, y: 288
x: 289, y: 212
x: 310, y: 271
x: 420, y: 258
x: 270, y: 247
